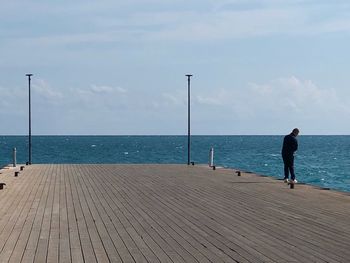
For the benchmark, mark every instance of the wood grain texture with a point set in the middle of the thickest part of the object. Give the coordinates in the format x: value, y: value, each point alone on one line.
x: 167, y: 213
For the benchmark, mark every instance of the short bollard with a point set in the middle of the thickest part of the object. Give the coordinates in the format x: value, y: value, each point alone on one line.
x: 291, y: 185
x: 16, y: 174
x: 22, y: 168
x: 214, y: 167
x: 238, y: 173
x: 2, y: 186
x: 14, y: 155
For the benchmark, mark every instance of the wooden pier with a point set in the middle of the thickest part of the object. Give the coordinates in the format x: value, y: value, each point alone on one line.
x: 166, y: 213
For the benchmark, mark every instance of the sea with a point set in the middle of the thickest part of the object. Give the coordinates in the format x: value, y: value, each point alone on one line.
x: 322, y: 161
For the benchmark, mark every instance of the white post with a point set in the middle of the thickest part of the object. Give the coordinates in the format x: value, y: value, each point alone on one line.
x: 14, y: 157
x: 211, y: 157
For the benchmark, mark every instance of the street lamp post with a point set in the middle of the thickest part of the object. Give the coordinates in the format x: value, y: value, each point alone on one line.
x: 189, y: 119
x: 30, y: 123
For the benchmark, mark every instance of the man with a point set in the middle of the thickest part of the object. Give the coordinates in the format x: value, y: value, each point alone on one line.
x: 290, y: 145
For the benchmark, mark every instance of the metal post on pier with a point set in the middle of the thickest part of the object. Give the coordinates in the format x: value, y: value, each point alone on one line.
x: 189, y: 118
x: 211, y: 157
x: 14, y: 155
x: 30, y: 122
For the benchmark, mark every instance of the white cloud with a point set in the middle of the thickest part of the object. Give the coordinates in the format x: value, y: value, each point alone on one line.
x: 107, y: 89
x: 216, y: 101
x: 137, y: 38
x: 230, y: 25
x: 75, y: 38
x: 290, y: 96
x: 177, y: 98
x: 98, y: 90
x: 217, y: 20
x: 330, y: 26
x: 42, y: 88
x: 13, y: 99
x: 98, y: 99
x: 259, y: 107
x: 296, y: 96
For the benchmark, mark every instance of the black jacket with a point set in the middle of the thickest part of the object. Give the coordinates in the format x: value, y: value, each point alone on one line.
x: 290, y: 145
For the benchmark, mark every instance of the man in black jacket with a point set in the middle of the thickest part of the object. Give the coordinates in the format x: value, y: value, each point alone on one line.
x: 290, y: 145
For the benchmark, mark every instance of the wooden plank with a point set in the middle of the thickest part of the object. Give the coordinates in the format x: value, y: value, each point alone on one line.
x: 199, y: 255
x: 92, y: 228
x: 119, y: 197
x: 93, y: 204
x: 113, y: 226
x: 54, y: 232
x: 29, y: 222
x: 17, y: 222
x: 76, y: 250
x: 123, y: 233
x: 84, y: 236
x: 167, y: 213
x: 162, y: 219
x: 64, y: 254
x: 209, y: 223
x: 156, y: 225
x: 137, y: 233
x: 258, y: 222
x: 10, y: 199
x: 43, y: 242
x: 29, y: 253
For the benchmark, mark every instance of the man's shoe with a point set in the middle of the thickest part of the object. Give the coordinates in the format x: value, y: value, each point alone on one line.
x: 286, y: 180
x: 294, y: 181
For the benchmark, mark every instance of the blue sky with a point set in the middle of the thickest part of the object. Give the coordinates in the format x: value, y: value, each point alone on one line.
x: 118, y: 67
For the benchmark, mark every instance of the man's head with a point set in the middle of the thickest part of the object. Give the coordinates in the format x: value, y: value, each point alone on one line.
x: 295, y: 132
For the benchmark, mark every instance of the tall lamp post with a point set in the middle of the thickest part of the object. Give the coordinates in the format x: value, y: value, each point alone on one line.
x: 30, y: 122
x: 189, y: 119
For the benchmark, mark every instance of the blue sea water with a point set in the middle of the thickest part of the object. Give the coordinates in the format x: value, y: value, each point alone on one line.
x: 320, y: 160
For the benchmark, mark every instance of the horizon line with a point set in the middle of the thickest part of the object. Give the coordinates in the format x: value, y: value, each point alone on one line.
x: 185, y: 135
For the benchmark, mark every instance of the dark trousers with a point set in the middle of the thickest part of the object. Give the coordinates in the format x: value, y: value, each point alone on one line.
x: 288, y: 161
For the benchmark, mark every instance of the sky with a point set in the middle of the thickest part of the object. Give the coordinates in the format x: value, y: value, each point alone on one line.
x: 111, y: 67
